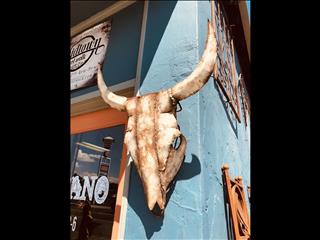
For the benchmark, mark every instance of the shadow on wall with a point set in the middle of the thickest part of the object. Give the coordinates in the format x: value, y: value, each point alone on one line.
x: 227, y: 108
x: 159, y: 14
x: 138, y: 202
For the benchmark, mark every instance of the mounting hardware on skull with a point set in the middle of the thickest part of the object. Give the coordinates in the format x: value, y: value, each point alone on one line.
x: 152, y: 127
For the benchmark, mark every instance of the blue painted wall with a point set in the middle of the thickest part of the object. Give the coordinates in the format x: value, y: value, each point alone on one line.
x: 174, y: 43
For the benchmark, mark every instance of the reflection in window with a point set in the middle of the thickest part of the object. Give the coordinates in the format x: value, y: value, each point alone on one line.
x: 95, y: 163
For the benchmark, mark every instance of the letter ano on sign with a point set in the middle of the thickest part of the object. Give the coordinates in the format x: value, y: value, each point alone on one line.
x: 98, y: 189
x: 86, y: 51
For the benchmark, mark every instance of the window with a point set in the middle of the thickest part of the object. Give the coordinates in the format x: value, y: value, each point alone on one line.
x: 98, y: 158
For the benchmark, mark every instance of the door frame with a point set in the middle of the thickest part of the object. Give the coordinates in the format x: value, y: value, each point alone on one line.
x: 104, y: 119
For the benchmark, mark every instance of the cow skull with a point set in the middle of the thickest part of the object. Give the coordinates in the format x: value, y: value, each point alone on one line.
x: 152, y: 127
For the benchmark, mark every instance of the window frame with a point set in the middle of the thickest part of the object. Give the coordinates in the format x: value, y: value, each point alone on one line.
x: 106, y: 118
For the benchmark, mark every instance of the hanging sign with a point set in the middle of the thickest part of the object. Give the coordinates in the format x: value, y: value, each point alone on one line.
x: 87, y: 50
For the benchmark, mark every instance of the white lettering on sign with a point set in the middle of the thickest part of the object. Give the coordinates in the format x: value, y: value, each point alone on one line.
x: 86, y: 186
x: 75, y: 188
x: 73, y: 223
x: 99, y: 190
x: 102, y: 189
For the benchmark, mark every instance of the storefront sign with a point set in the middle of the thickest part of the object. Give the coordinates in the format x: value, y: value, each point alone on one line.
x: 87, y: 50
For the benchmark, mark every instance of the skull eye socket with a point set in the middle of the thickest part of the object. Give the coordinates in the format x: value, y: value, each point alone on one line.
x: 176, y: 143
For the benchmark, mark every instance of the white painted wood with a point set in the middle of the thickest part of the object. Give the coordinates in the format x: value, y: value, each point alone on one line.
x: 141, y: 48
x: 113, y: 88
x: 124, y: 204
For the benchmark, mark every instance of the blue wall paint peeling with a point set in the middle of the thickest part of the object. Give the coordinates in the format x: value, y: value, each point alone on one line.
x: 195, y: 207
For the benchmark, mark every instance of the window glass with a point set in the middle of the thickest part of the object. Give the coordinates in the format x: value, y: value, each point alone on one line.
x: 95, y: 163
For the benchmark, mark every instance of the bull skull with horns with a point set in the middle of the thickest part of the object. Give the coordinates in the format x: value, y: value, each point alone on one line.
x: 152, y: 127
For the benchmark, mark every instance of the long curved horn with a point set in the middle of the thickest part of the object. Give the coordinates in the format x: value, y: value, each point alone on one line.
x: 115, y: 101
x: 195, y: 81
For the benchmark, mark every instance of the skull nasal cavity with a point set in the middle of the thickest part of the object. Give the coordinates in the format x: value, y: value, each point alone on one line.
x: 157, y: 211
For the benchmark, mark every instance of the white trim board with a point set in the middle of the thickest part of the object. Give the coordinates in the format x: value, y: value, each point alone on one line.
x: 141, y: 48
x: 124, y: 203
x: 113, y: 88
